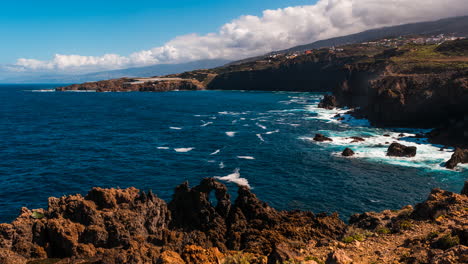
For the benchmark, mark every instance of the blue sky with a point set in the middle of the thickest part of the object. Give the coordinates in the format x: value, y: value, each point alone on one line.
x: 40, y: 29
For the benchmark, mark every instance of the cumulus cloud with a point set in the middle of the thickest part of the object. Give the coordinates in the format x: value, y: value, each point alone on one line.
x: 275, y: 29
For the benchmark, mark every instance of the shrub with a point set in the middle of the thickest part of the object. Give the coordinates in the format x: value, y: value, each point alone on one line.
x: 354, y: 237
x: 447, y: 241
x: 405, y: 225
x: 383, y: 231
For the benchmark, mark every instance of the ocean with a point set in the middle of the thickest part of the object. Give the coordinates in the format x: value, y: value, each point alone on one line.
x: 55, y: 144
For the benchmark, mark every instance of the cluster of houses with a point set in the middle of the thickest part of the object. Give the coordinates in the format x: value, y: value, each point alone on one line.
x: 400, y: 41
x: 386, y: 42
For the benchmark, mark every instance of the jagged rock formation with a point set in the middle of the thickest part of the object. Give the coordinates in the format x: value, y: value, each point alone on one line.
x: 459, y: 156
x: 130, y: 226
x: 399, y: 150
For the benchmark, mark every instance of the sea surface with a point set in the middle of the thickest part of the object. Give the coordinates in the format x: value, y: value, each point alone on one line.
x: 55, y: 144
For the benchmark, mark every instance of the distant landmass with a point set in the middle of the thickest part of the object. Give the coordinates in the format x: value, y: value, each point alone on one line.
x: 454, y: 25
x: 147, y: 71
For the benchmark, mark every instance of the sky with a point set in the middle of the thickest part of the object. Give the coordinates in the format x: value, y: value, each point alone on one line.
x: 83, y: 36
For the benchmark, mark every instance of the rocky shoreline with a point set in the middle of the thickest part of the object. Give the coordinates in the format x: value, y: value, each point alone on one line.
x: 131, y: 226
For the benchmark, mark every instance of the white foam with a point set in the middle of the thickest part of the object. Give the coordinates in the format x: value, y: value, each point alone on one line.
x: 374, y: 148
x: 246, y: 157
x: 260, y: 137
x: 231, y: 134
x: 330, y: 116
x: 261, y: 126
x: 272, y: 132
x: 175, y: 128
x: 216, y: 152
x: 221, y: 165
x: 41, y: 91
x: 206, y: 123
x: 235, y: 178
x: 163, y: 148
x: 183, y: 150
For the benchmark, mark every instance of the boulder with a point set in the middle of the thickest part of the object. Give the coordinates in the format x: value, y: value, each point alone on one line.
x: 348, y: 152
x: 328, y: 102
x: 321, y: 138
x: 459, y: 156
x: 399, y: 150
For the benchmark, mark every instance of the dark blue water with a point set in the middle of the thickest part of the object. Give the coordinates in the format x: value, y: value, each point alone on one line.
x: 54, y: 144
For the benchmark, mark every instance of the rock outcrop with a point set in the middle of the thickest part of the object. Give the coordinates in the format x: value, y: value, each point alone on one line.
x: 130, y: 226
x: 347, y: 152
x: 328, y: 102
x: 129, y: 85
x: 399, y: 150
x: 321, y: 138
x: 459, y: 156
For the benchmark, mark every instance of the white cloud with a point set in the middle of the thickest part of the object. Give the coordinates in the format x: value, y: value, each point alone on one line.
x: 275, y: 29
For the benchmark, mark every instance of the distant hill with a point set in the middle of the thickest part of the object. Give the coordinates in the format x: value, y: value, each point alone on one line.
x: 148, y: 71
x: 456, y: 25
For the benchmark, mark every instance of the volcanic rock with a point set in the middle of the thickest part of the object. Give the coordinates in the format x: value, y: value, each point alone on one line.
x: 459, y: 156
x: 321, y: 138
x: 130, y: 226
x: 348, y: 152
x: 399, y: 150
x: 328, y: 102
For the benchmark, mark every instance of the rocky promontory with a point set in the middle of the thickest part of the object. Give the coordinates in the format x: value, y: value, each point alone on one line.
x: 138, y: 85
x: 131, y: 226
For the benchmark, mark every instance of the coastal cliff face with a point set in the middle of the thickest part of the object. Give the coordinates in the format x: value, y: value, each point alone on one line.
x: 130, y: 226
x: 412, y: 87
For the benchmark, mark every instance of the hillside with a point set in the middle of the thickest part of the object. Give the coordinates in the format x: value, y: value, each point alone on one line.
x: 454, y: 25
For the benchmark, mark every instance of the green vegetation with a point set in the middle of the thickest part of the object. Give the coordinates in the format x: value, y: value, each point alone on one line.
x: 405, y: 225
x: 354, y: 237
x: 422, y: 58
x: 383, y: 231
x: 37, y: 215
x: 447, y: 241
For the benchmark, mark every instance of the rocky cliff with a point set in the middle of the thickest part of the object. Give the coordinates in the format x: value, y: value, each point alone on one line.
x: 130, y: 226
